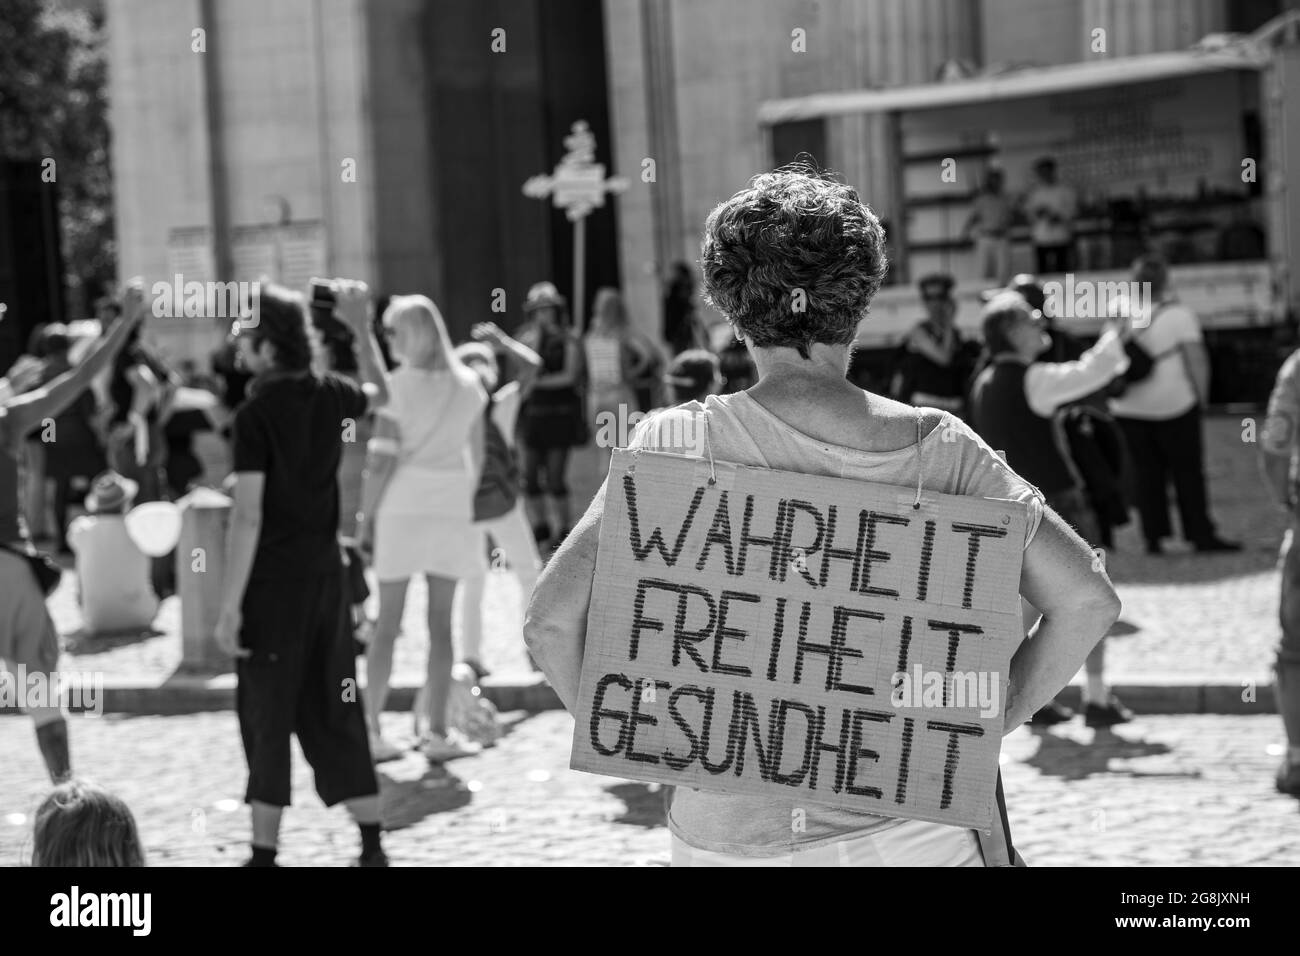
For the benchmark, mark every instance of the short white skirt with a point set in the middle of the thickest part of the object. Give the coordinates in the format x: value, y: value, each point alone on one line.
x: 424, y: 525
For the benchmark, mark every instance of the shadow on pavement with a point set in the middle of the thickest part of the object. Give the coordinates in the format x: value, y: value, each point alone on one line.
x: 1190, y: 568
x: 1069, y: 759
x: 408, y: 801
x: 82, y: 641
x: 645, y: 807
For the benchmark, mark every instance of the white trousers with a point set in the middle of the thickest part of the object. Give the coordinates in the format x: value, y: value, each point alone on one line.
x: 512, y: 534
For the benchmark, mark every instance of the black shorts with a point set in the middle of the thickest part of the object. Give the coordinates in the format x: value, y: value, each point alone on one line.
x: 301, y: 679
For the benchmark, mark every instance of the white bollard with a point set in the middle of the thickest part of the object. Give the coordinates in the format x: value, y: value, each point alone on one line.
x: 200, y: 568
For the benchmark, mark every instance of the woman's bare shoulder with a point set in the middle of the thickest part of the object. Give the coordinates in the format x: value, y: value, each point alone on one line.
x: 891, y: 415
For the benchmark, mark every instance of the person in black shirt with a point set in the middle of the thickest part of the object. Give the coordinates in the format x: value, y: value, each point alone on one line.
x: 283, y: 608
x: 681, y: 322
x: 935, y: 362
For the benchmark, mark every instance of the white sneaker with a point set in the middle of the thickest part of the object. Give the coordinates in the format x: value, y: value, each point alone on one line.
x: 381, y: 750
x: 437, y: 748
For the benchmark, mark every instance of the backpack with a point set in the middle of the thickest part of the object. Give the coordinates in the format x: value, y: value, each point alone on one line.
x: 498, y: 486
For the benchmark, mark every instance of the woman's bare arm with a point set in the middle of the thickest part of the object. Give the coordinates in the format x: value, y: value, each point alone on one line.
x: 27, y: 411
x: 555, y: 627
x: 523, y: 363
x: 381, y: 461
x: 1062, y: 578
x: 353, y: 307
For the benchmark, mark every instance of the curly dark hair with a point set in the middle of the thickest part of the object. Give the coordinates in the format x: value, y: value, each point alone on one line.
x: 793, y: 259
x: 282, y: 321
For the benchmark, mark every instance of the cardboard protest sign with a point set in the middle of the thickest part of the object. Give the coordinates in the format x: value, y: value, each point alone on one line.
x: 815, y: 639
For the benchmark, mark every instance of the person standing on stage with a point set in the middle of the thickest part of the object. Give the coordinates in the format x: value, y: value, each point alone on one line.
x: 989, y: 224
x: 1051, y: 208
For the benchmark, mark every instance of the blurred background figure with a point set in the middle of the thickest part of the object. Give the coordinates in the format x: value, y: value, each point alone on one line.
x: 737, y: 366
x: 1161, y: 418
x: 617, y: 358
x: 231, y: 377
x: 989, y: 224
x: 552, y: 421
x: 28, y: 637
x: 682, y: 327
x: 82, y: 824
x: 935, y: 363
x: 113, y: 573
x: 72, y: 450
x: 693, y: 376
x: 334, y: 349
x: 417, y: 505
x: 1088, y: 435
x: 140, y: 387
x: 1016, y: 406
x: 498, y: 507
x: 1051, y: 207
x: 1280, y: 445
x: 194, y: 410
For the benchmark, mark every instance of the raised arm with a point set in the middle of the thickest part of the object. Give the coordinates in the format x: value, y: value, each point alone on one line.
x: 524, y: 362
x: 555, y: 627
x: 353, y: 307
x: 1049, y: 385
x: 27, y: 411
x: 1065, y: 581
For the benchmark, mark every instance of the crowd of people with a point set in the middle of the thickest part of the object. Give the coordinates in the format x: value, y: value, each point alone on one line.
x: 456, y: 453
x: 464, y: 453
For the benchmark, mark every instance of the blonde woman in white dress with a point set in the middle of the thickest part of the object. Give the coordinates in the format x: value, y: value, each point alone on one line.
x: 417, y: 508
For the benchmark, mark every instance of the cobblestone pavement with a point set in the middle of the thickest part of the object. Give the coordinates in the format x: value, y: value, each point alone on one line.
x: 1186, y: 790
x: 1205, y: 617
x: 1190, y: 617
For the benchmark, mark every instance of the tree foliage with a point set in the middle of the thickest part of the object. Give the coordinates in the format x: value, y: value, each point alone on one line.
x: 54, y: 105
